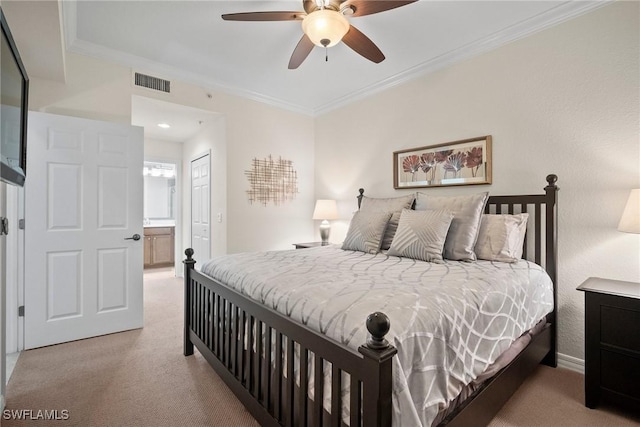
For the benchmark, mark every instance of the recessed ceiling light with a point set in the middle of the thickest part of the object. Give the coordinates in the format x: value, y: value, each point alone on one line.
x: 164, y: 125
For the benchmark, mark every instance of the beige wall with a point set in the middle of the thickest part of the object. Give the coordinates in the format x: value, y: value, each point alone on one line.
x: 102, y: 90
x: 162, y: 150
x: 563, y: 101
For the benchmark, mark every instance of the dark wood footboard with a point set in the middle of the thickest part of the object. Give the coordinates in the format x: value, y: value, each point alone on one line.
x: 262, y: 355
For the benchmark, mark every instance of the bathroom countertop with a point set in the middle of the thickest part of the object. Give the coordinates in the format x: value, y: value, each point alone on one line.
x: 153, y: 224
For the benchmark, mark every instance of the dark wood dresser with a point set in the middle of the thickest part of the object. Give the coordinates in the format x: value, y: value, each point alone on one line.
x: 612, y: 342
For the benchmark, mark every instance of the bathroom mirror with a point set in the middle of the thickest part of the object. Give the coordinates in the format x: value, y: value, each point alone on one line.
x: 159, y: 192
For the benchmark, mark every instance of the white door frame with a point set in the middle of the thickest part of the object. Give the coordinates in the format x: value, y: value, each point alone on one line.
x: 3, y: 308
x: 178, y: 254
x: 15, y: 270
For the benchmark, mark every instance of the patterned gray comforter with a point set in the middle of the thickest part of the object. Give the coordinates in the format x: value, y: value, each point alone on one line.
x: 449, y: 321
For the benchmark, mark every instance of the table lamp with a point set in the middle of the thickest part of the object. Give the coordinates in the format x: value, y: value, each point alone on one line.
x: 325, y: 210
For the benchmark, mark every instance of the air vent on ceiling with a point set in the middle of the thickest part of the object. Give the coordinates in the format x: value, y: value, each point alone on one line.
x: 151, y: 82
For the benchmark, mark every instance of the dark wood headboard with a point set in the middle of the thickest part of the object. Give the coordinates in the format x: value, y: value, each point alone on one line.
x: 542, y: 224
x: 541, y: 240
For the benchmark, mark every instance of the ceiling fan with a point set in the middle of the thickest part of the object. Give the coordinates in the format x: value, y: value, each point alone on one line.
x: 324, y: 24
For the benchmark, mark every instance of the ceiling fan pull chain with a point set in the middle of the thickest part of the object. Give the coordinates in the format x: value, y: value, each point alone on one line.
x: 325, y: 43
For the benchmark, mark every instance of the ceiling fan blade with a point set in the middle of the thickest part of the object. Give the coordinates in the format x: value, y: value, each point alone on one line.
x: 363, y: 45
x: 309, y: 5
x: 300, y: 53
x: 264, y: 16
x: 369, y: 7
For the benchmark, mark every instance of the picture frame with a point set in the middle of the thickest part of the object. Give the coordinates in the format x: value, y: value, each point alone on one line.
x: 464, y: 162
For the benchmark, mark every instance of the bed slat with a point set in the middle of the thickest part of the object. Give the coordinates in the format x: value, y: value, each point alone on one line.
x: 336, y: 407
x: 538, y: 249
x: 258, y: 360
x: 303, y: 387
x: 250, y: 354
x: 278, y: 377
x: 228, y: 307
x: 267, y: 368
x: 355, y: 398
x: 240, y: 371
x: 523, y: 209
x: 318, y: 392
x: 290, y: 381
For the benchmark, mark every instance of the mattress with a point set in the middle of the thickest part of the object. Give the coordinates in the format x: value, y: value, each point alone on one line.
x: 449, y: 321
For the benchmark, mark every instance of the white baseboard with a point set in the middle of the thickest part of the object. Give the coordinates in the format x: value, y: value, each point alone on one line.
x: 571, y: 363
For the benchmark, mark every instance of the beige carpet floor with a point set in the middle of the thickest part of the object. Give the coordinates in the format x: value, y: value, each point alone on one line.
x: 140, y: 378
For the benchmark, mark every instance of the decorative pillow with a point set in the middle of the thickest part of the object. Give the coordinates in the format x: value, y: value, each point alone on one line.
x: 501, y: 237
x: 467, y: 213
x: 365, y: 231
x: 421, y: 235
x: 394, y: 205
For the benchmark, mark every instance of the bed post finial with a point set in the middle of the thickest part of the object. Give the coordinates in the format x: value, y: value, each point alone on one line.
x: 378, y: 355
x: 360, y: 196
x: 552, y: 179
x: 378, y: 324
x: 189, y: 253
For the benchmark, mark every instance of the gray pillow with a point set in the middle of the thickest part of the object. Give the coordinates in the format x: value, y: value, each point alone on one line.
x: 395, y: 205
x: 421, y: 235
x: 501, y: 237
x: 467, y: 213
x: 365, y: 231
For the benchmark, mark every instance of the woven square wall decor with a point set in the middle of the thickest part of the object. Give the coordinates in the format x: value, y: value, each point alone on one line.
x: 270, y: 180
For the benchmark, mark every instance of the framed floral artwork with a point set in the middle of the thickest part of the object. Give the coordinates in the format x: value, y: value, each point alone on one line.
x: 465, y: 162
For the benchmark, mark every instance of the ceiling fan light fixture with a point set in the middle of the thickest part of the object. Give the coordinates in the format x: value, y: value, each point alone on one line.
x: 325, y: 27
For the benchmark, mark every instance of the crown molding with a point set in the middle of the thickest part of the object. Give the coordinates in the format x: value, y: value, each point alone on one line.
x: 542, y: 21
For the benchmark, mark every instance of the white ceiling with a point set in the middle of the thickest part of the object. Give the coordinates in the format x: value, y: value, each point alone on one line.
x: 188, y: 40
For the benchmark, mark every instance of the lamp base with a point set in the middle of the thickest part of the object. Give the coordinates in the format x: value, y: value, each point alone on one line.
x: 325, y: 230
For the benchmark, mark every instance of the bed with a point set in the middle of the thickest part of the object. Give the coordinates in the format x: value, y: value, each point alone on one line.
x: 264, y: 341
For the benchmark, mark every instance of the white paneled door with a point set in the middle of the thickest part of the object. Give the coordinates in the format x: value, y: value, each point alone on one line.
x: 83, y: 219
x: 200, y: 207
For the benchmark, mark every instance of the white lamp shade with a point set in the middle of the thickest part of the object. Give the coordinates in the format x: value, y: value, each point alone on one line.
x: 630, y: 221
x: 325, y: 209
x: 327, y: 25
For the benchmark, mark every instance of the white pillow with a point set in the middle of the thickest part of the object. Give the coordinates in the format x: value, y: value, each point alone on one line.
x: 421, y: 235
x: 365, y: 231
x: 501, y: 237
x: 395, y: 205
x: 463, y: 233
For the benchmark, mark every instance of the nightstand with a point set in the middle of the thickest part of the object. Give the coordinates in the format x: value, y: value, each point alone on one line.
x: 612, y: 341
x: 309, y: 245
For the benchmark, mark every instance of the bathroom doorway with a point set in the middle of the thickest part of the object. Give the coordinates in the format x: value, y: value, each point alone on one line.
x: 161, y: 212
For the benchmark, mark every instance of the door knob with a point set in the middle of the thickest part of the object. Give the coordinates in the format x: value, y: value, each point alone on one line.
x: 134, y: 237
